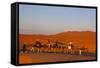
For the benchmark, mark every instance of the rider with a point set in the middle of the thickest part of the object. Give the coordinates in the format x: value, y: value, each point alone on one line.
x: 48, y: 43
x: 24, y: 48
x: 70, y: 46
x: 38, y: 44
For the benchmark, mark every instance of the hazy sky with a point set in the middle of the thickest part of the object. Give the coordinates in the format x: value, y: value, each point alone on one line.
x: 35, y: 19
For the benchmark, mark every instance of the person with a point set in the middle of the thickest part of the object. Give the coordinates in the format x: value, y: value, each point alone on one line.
x: 80, y: 52
x: 24, y: 48
x: 48, y: 43
x: 56, y: 44
x: 38, y: 44
x: 70, y: 47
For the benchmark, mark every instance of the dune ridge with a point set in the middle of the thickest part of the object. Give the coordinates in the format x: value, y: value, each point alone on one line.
x: 79, y: 38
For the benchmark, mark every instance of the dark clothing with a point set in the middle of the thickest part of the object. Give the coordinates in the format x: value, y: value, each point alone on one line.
x: 24, y: 48
x: 38, y: 44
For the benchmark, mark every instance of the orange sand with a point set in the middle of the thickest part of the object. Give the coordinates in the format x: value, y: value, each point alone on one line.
x: 79, y: 39
x: 46, y: 57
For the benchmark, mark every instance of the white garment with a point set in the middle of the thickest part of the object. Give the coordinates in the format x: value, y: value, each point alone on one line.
x: 69, y: 47
x: 80, y: 52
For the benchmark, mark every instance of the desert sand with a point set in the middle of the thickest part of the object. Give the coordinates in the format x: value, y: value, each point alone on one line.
x: 47, y: 57
x: 85, y: 39
x: 80, y: 39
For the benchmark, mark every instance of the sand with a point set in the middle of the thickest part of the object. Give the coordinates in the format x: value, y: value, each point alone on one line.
x: 85, y: 39
x: 51, y: 57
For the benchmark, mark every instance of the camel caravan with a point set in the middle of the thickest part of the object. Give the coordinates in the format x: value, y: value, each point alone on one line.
x: 57, y: 47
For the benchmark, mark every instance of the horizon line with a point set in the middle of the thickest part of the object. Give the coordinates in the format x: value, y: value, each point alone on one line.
x: 54, y: 33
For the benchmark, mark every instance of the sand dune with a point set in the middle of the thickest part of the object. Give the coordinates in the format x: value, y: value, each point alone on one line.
x: 81, y: 39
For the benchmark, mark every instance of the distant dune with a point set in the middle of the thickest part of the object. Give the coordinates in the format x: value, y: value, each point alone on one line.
x: 81, y: 39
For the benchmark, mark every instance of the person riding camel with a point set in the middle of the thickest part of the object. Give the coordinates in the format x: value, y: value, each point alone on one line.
x: 56, y: 44
x: 24, y: 48
x: 70, y: 46
x: 38, y: 44
x: 49, y: 44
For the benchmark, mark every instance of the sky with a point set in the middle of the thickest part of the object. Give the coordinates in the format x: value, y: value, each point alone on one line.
x: 36, y: 19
